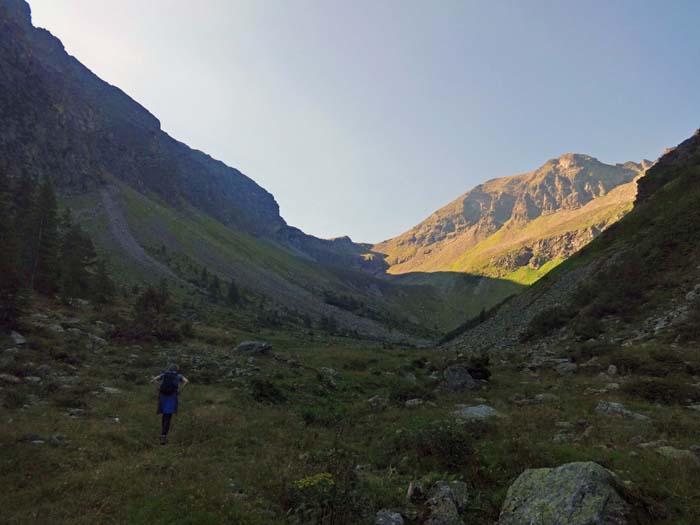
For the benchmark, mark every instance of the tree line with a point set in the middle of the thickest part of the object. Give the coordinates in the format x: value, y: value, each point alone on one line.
x: 44, y: 251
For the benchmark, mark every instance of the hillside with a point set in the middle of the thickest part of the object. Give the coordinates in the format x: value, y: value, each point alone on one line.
x: 635, y: 282
x: 137, y: 191
x: 522, y: 226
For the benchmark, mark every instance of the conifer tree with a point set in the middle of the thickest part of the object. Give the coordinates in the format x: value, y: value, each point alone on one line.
x: 215, y: 287
x: 26, y: 223
x: 77, y: 254
x: 10, y: 279
x: 104, y: 288
x: 45, y: 273
x: 233, y: 295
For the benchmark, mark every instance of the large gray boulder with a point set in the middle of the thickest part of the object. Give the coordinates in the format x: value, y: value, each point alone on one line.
x: 253, y: 348
x: 458, y: 379
x: 581, y: 493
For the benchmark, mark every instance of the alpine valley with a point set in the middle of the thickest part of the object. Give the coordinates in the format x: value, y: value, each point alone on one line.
x: 526, y: 354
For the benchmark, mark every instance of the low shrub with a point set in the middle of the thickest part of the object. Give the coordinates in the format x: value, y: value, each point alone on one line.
x: 665, y: 391
x: 545, y: 322
x: 265, y: 391
x: 445, y: 445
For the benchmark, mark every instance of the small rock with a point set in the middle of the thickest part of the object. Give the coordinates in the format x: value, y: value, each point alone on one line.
x: 56, y: 328
x: 475, y: 413
x: 566, y: 369
x: 413, y: 403
x: 253, y: 348
x: 546, y: 398
x: 44, y: 370
x: 17, y: 338
x: 388, y: 517
x: 415, y: 492
x: 612, y: 370
x: 58, y: 440
x: 111, y: 390
x: 9, y: 378
x: 610, y: 408
x: 410, y: 376
x: 457, y: 379
x: 378, y: 403
x: 33, y: 379
x: 76, y: 412
x: 678, y: 454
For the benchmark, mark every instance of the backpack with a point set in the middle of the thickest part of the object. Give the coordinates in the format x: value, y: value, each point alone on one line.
x: 168, y: 385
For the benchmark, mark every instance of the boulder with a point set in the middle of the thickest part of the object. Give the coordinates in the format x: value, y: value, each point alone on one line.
x: 56, y: 328
x: 17, y: 339
x: 678, y: 454
x: 566, y: 369
x: 475, y: 413
x: 253, y: 348
x: 582, y: 493
x: 415, y: 492
x: 9, y: 378
x: 447, y: 500
x: 610, y: 408
x: 378, y: 403
x: 388, y: 517
x: 457, y: 379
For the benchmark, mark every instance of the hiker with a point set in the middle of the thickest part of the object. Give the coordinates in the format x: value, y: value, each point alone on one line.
x: 167, y: 397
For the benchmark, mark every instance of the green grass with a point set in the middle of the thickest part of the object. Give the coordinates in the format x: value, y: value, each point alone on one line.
x: 233, y: 458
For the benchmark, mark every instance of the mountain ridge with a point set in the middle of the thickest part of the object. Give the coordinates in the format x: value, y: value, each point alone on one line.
x: 566, y: 183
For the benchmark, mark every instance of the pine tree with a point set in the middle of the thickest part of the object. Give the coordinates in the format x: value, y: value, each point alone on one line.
x: 104, y: 288
x: 10, y: 279
x: 45, y: 273
x: 215, y: 287
x: 233, y: 295
x: 26, y: 223
x: 77, y: 254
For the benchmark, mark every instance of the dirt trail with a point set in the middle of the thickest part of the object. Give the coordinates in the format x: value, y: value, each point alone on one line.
x: 122, y: 234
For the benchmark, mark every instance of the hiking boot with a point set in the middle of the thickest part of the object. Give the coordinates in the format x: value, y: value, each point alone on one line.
x: 163, y: 440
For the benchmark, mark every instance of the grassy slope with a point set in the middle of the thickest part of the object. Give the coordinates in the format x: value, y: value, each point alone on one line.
x: 258, y: 265
x: 235, y: 459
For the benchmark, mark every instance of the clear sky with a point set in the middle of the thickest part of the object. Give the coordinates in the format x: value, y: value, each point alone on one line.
x: 364, y: 116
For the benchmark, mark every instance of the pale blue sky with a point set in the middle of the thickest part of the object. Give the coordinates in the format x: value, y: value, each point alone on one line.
x: 363, y: 117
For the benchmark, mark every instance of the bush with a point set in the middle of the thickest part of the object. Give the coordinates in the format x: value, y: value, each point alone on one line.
x: 589, y: 350
x: 265, y: 391
x: 626, y: 364
x: 545, y: 322
x: 322, y: 415
x: 665, y: 391
x: 404, y: 392
x: 444, y: 444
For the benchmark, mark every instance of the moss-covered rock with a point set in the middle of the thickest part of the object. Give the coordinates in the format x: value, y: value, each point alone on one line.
x: 573, y: 494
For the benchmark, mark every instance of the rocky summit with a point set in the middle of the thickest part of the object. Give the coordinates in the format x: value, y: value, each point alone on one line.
x: 521, y: 226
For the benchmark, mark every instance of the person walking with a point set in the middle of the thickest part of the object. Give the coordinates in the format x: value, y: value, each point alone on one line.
x: 170, y: 381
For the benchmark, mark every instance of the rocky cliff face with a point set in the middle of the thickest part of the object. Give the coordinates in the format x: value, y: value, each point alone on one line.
x: 60, y: 119
x: 520, y: 217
